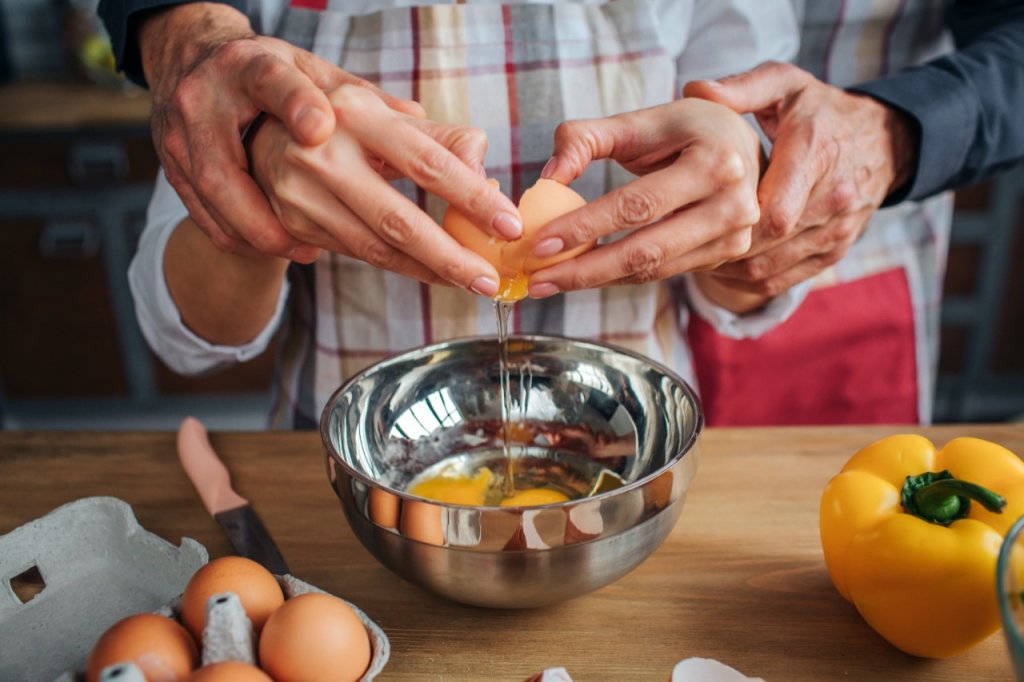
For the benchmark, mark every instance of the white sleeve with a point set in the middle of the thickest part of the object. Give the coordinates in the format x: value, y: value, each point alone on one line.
x: 161, y: 324
x: 726, y: 37
x: 749, y: 325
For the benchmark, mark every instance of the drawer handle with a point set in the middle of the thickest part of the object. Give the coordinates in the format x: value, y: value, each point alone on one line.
x: 92, y: 163
x: 69, y: 241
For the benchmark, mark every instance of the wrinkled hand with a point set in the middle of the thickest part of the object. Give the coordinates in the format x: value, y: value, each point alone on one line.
x: 691, y: 209
x: 336, y: 196
x: 210, y: 76
x: 836, y: 156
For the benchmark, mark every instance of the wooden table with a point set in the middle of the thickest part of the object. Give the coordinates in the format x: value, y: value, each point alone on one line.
x: 740, y: 579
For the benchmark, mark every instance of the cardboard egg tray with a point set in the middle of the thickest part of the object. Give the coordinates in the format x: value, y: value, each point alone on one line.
x: 99, y: 565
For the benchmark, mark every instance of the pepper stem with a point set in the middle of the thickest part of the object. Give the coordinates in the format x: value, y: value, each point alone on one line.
x: 940, y: 498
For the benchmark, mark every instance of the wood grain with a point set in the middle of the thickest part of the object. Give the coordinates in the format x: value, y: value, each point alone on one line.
x: 740, y: 579
x: 32, y: 106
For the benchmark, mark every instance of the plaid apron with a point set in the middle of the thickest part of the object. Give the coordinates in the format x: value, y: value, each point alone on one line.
x: 864, y: 346
x: 516, y: 71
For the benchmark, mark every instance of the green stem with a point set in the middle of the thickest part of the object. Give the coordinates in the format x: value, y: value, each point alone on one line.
x: 940, y: 498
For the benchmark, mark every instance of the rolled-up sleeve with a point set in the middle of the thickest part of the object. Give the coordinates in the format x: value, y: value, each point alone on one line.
x: 749, y: 325
x: 161, y: 324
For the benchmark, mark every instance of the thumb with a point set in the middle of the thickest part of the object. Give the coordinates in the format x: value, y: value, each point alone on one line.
x: 760, y: 88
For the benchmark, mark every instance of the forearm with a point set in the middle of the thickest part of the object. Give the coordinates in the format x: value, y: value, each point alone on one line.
x: 733, y: 300
x: 224, y: 298
x: 966, y: 105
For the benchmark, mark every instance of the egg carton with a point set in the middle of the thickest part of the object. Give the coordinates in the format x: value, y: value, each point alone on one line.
x: 96, y: 565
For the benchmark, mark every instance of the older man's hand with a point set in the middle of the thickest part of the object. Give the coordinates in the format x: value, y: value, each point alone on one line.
x: 210, y: 76
x: 836, y: 156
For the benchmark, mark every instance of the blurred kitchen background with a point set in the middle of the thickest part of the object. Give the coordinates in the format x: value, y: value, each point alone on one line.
x: 76, y: 167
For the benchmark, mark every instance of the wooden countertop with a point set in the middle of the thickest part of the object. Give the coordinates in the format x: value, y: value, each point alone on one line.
x: 48, y: 106
x: 740, y: 579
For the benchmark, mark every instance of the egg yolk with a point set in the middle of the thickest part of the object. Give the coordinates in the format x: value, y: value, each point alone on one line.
x: 533, y: 497
x: 473, y: 491
x: 456, y: 489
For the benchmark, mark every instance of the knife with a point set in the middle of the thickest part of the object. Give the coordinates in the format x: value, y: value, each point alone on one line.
x: 211, y: 479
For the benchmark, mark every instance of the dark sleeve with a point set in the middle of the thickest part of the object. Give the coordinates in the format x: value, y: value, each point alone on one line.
x: 967, y: 105
x: 120, y: 17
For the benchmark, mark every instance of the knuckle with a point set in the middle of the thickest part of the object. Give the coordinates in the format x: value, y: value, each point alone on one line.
x: 579, y: 280
x: 745, y: 210
x: 635, y: 207
x: 380, y: 255
x: 580, y: 233
x: 454, y: 271
x: 187, y: 96
x: 755, y: 269
x: 348, y: 99
x: 274, y: 242
x: 841, y: 197
x: 644, y: 261
x: 234, y: 51
x: 209, y: 179
x: 780, y: 221
x: 430, y: 165
x: 397, y: 228
x: 727, y: 167
x: 738, y: 243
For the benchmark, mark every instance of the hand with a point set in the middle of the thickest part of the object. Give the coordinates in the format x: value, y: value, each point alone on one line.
x: 335, y: 195
x: 836, y: 156
x: 691, y: 209
x: 210, y: 76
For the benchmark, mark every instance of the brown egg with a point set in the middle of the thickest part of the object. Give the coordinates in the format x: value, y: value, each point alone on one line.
x: 384, y: 507
x: 539, y: 205
x: 315, y: 638
x: 160, y: 647
x: 229, y: 671
x: 256, y: 588
x: 422, y: 521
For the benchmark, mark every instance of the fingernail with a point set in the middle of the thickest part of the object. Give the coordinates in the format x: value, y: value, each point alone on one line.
x: 542, y: 290
x: 309, y: 120
x: 480, y: 170
x: 549, y: 168
x: 713, y: 84
x: 508, y: 226
x: 548, y: 247
x: 485, y: 286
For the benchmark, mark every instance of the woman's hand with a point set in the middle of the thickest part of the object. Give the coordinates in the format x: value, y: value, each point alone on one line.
x: 691, y: 209
x: 336, y: 195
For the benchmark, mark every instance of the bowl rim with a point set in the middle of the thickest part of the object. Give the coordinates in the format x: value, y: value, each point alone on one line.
x: 427, y: 349
x: 1002, y: 567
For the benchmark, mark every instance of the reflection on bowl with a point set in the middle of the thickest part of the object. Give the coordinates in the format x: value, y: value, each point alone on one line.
x: 581, y: 408
x: 1010, y: 587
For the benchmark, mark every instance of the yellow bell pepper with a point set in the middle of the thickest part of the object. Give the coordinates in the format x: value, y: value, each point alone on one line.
x: 911, y: 537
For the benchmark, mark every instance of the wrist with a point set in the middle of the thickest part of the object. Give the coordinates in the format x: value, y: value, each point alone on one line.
x: 728, y: 298
x: 173, y: 39
x: 903, y: 143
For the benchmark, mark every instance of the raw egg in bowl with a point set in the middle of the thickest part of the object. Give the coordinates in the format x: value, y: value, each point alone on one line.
x: 614, y: 434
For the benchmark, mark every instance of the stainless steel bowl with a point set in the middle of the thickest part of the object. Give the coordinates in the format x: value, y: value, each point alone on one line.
x: 584, y: 407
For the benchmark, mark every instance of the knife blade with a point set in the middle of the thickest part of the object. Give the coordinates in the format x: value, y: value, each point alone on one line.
x: 212, y: 481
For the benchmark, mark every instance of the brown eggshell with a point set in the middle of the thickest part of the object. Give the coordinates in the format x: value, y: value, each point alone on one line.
x: 160, y: 647
x: 539, y: 205
x: 256, y: 588
x: 422, y: 521
x: 384, y: 508
x: 314, y: 638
